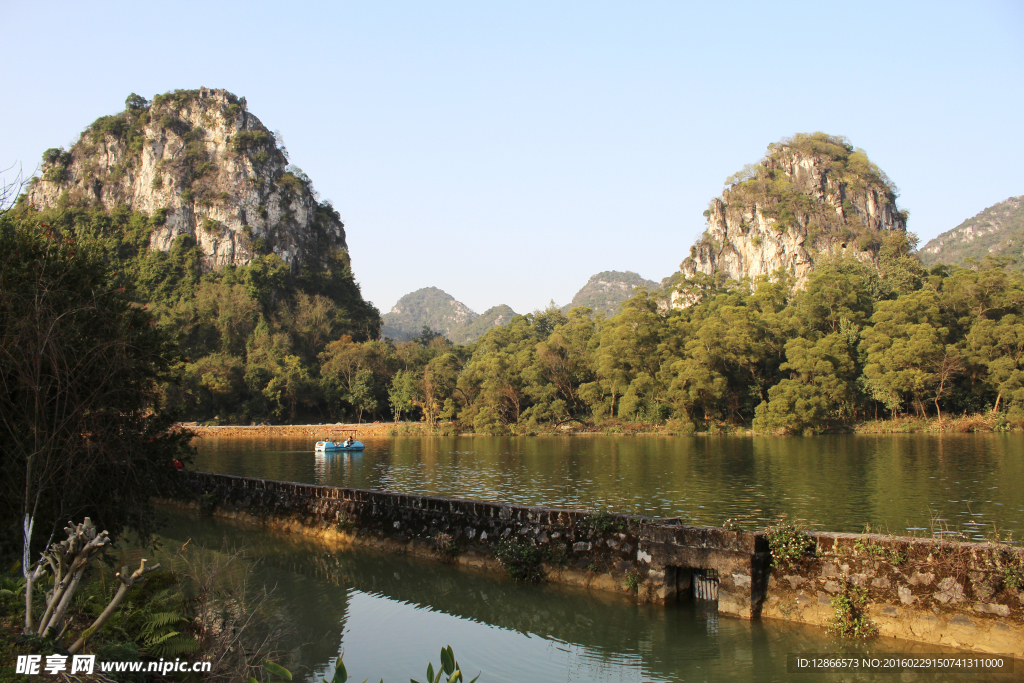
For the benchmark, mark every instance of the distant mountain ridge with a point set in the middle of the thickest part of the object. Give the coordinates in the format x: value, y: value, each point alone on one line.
x: 605, y: 291
x: 996, y: 231
x: 441, y: 312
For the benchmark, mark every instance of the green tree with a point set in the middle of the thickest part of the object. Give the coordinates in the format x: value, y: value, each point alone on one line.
x: 907, y: 357
x: 402, y: 393
x: 821, y: 388
x: 440, y: 381
x: 363, y: 394
x: 81, y: 429
x: 626, y: 357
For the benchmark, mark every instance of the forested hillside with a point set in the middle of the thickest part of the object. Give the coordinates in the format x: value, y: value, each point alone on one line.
x: 270, y: 338
x: 605, y: 291
x: 254, y: 299
x: 997, y: 231
x: 434, y: 310
x: 848, y: 347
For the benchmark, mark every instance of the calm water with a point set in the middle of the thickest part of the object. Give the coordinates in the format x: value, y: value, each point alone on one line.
x: 973, y: 483
x: 390, y: 615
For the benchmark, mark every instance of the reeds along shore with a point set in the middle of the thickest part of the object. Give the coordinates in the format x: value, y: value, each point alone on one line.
x: 962, y: 424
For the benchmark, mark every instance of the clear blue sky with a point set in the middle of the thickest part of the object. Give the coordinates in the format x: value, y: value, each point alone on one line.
x: 505, y: 152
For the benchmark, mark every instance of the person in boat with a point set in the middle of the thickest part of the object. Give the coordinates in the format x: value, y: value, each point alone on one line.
x: 348, y: 442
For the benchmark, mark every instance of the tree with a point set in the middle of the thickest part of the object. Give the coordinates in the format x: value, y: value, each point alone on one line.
x: 440, y: 379
x: 80, y: 425
x: 907, y: 358
x: 402, y: 393
x: 363, y: 395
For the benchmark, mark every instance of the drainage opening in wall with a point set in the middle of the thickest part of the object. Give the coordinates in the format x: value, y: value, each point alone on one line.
x: 705, y: 584
x: 686, y: 583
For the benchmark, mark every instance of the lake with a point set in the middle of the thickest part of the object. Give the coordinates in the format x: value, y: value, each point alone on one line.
x: 903, y: 484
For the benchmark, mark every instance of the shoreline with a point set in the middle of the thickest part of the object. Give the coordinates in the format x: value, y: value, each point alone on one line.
x: 986, y: 423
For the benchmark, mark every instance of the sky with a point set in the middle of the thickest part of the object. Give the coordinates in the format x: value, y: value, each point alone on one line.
x: 505, y: 152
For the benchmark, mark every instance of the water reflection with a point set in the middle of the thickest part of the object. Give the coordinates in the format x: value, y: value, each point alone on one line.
x: 391, y: 615
x: 968, y: 482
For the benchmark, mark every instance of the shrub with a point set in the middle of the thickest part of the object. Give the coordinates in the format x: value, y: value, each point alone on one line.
x: 604, y: 522
x: 849, y: 620
x: 787, y: 543
x: 445, y: 546
x: 290, y: 183
x: 57, y: 156
x: 56, y: 174
x: 1013, y: 575
x: 245, y: 140
x: 114, y: 125
x: 136, y: 102
x: 521, y: 560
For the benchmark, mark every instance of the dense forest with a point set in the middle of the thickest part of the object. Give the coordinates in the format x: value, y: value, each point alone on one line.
x: 263, y: 343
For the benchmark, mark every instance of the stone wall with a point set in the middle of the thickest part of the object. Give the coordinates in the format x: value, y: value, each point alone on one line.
x: 654, y: 556
x: 943, y: 592
x: 930, y: 591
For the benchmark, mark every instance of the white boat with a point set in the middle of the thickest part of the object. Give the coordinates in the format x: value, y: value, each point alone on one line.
x: 338, y: 446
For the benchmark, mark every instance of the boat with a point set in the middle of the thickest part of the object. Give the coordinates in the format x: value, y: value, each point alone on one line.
x: 336, y: 446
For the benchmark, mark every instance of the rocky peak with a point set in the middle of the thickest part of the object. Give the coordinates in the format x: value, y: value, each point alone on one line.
x: 812, y: 195
x: 200, y: 165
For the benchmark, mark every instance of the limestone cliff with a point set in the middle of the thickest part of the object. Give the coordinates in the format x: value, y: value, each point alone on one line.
x: 200, y: 165
x: 810, y: 196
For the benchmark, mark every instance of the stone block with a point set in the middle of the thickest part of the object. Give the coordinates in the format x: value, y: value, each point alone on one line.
x: 919, y: 579
x: 741, y: 580
x: 795, y: 580
x: 962, y: 621
x: 881, y: 582
x: 992, y: 608
x: 949, y: 591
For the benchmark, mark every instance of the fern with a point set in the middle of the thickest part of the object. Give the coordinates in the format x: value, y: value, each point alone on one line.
x: 161, y: 619
x: 171, y: 644
x: 160, y: 639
